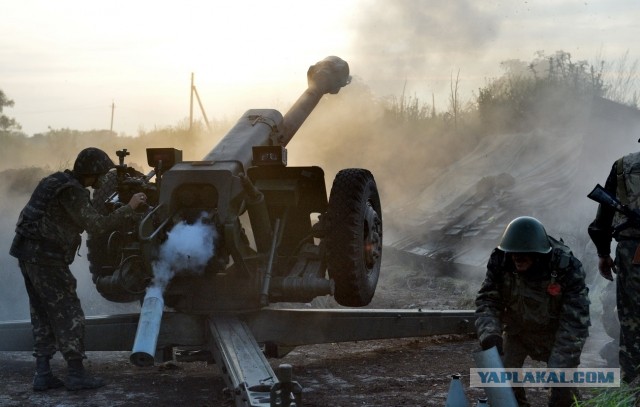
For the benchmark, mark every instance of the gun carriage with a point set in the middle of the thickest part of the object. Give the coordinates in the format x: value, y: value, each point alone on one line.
x: 277, y: 239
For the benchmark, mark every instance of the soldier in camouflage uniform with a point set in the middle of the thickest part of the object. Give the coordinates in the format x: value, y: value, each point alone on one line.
x: 535, y: 297
x: 46, y: 242
x: 623, y: 182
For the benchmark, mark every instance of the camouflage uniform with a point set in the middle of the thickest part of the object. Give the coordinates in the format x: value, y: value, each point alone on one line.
x: 623, y: 182
x: 46, y: 241
x: 545, y: 327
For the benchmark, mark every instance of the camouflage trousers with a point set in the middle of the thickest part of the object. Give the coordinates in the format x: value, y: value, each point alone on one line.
x: 627, y: 295
x: 516, y: 350
x: 56, y: 314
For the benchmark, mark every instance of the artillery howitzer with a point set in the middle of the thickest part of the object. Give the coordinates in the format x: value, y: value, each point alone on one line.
x: 247, y: 172
x: 217, y: 310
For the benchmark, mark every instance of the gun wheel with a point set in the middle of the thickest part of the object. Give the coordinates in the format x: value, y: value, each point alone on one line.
x: 354, y: 242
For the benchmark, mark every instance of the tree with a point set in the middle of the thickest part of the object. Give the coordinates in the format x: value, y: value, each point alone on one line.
x: 454, y: 99
x: 554, y: 87
x: 7, y: 124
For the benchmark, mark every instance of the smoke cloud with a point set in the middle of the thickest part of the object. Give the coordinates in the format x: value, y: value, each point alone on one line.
x: 420, y: 43
x: 187, y: 249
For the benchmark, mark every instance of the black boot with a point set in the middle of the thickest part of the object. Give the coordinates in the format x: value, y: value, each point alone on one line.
x: 78, y: 378
x: 44, y: 378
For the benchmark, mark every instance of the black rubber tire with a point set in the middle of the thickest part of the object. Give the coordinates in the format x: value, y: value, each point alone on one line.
x: 354, y: 241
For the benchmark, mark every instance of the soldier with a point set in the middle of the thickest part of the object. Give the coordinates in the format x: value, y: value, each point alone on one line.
x: 46, y: 241
x: 623, y: 182
x: 535, y: 297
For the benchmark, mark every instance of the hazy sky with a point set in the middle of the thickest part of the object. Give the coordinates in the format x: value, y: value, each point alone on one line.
x: 65, y: 62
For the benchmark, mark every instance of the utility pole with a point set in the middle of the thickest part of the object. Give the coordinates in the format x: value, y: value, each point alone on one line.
x: 191, y: 103
x: 204, y: 114
x: 113, y: 107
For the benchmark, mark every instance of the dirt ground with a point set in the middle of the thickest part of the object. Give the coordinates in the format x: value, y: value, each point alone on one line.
x: 408, y: 372
x: 405, y: 372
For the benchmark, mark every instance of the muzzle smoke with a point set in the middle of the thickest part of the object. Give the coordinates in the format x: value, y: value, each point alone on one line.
x: 188, y: 249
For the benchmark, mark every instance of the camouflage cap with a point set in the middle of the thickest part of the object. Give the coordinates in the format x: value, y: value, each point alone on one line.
x: 92, y: 161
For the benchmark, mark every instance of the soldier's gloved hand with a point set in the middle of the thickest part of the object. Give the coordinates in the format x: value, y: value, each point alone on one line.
x: 606, y: 266
x: 491, y: 341
x: 138, y: 200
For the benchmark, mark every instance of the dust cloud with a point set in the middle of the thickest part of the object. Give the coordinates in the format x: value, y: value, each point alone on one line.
x: 15, y: 189
x: 421, y: 43
x: 420, y: 171
x: 425, y: 169
x: 429, y: 175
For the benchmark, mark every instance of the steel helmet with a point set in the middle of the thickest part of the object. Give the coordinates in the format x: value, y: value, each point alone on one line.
x: 525, y: 235
x: 92, y: 161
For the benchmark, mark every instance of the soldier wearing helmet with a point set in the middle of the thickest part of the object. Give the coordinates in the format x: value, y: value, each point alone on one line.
x: 534, y: 302
x: 48, y: 236
x: 623, y: 182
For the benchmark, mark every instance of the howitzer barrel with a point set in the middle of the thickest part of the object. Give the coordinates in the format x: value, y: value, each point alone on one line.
x: 327, y: 76
x: 254, y: 128
x: 144, y: 345
x: 264, y: 127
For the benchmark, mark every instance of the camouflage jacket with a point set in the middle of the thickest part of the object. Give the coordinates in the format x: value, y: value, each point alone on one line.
x: 548, y: 304
x: 623, y: 182
x: 59, y: 210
